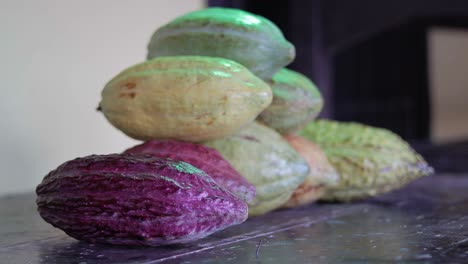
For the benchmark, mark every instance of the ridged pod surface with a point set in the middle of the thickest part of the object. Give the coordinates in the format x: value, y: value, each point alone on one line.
x: 251, y: 40
x: 369, y: 160
x: 321, y: 176
x: 205, y: 158
x: 135, y: 200
x: 296, y: 102
x: 186, y: 98
x: 267, y: 161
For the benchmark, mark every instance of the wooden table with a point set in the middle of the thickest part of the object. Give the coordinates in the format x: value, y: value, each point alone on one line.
x: 426, y: 222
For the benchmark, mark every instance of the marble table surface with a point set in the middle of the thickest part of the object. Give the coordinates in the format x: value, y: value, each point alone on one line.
x: 425, y: 222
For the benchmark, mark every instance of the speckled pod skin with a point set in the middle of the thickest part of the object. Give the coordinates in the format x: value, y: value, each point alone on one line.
x: 207, y: 159
x: 267, y: 161
x: 187, y: 98
x: 296, y: 102
x: 135, y: 200
x: 321, y: 176
x: 251, y: 40
x: 369, y: 160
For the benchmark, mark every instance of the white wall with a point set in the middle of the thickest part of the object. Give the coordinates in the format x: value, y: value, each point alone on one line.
x: 56, y: 57
x: 448, y: 49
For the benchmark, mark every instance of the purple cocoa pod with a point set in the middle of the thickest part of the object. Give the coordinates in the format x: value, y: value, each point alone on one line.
x: 129, y: 199
x: 204, y: 158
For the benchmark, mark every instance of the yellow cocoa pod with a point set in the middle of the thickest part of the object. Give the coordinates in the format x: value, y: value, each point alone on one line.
x: 188, y: 98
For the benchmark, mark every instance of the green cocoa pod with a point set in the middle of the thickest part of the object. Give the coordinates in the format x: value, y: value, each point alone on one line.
x: 267, y: 161
x: 369, y: 160
x: 188, y: 98
x: 296, y: 102
x: 251, y: 40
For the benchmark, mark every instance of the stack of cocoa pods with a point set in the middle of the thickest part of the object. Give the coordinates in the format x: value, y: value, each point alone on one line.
x: 229, y: 133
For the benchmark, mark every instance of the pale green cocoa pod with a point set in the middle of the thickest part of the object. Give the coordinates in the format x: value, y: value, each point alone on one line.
x: 296, y: 102
x: 267, y: 161
x: 188, y: 98
x: 369, y: 160
x: 251, y: 40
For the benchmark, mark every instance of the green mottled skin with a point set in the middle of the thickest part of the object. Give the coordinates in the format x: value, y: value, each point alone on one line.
x: 228, y: 17
x: 369, y: 160
x: 186, y: 98
x: 214, y: 66
x: 296, y: 102
x: 188, y: 168
x: 267, y: 161
x: 251, y: 40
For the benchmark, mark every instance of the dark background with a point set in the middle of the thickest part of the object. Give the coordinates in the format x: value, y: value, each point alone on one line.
x: 369, y: 59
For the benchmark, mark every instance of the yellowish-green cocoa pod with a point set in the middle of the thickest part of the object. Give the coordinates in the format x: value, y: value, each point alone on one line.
x: 187, y: 98
x: 322, y: 175
x: 267, y: 161
x: 251, y: 40
x: 296, y: 102
x: 369, y: 160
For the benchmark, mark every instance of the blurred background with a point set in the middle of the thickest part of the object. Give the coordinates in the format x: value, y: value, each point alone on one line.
x: 402, y: 65
x: 57, y: 57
